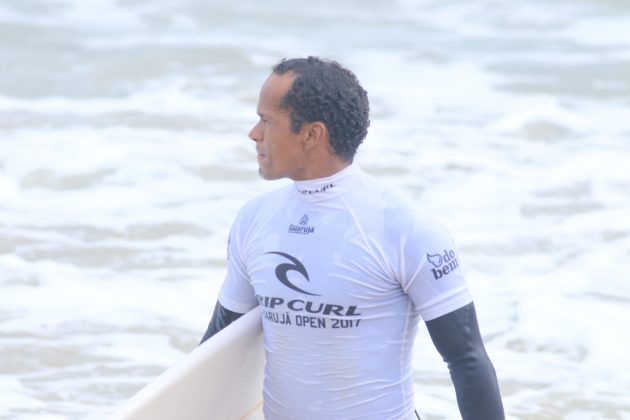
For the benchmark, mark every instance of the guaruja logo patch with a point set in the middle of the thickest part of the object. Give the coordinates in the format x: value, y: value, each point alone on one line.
x: 444, y: 263
x: 303, y: 228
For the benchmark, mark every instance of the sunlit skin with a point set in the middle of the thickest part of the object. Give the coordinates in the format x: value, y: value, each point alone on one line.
x: 283, y: 153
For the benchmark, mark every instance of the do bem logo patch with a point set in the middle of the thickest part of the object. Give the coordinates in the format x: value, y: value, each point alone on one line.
x: 444, y: 263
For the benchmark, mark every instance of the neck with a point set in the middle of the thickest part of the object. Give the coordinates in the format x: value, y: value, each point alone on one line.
x: 324, y: 188
x: 321, y: 163
x: 322, y: 171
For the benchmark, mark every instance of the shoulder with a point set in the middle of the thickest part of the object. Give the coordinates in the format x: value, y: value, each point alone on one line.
x: 402, y: 217
x: 386, y: 201
x: 374, y: 193
x: 264, y: 204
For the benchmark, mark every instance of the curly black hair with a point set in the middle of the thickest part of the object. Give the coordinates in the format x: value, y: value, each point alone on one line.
x: 325, y: 91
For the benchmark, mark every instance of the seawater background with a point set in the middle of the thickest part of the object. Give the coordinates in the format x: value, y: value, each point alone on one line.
x: 124, y: 157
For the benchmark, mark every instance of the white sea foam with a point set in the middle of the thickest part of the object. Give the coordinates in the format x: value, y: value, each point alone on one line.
x: 122, y: 167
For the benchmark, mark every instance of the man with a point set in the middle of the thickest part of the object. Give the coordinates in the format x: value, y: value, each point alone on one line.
x: 342, y: 269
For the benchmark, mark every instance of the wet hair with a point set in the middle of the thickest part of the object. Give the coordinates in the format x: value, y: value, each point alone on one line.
x: 325, y: 91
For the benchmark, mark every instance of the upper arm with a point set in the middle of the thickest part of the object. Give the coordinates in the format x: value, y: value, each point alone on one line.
x: 237, y: 293
x: 432, y: 275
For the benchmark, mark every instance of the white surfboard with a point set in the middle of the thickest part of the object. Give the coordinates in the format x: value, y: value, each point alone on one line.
x: 221, y: 379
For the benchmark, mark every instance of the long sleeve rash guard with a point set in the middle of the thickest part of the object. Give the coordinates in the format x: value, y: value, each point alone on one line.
x: 344, y: 271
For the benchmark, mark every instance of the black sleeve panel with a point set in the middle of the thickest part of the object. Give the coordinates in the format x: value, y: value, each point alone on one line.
x: 221, y: 318
x: 456, y: 336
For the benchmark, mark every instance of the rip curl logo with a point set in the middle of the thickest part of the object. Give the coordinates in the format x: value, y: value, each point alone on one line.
x: 303, y: 227
x: 444, y: 263
x: 283, y: 269
x: 300, y: 312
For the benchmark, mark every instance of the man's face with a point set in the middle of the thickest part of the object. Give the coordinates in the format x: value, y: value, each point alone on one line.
x: 280, y: 151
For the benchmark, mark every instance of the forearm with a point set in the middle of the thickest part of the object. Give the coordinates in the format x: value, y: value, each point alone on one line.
x: 221, y: 318
x: 476, y: 387
x: 456, y: 336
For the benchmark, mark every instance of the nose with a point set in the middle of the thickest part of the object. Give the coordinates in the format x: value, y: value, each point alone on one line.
x: 256, y: 132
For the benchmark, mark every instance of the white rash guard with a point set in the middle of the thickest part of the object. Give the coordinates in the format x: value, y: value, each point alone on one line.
x: 343, y: 271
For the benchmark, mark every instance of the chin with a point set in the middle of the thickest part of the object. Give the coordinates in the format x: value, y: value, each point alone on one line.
x: 267, y: 175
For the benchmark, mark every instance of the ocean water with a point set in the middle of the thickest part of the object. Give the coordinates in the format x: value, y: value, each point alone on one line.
x: 124, y: 157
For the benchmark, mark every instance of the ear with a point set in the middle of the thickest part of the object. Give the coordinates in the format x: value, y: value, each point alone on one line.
x: 315, y: 135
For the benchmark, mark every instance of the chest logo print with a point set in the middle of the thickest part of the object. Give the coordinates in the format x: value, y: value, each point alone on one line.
x: 283, y: 269
x: 303, y: 228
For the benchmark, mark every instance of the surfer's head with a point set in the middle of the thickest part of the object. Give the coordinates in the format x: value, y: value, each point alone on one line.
x: 324, y: 91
